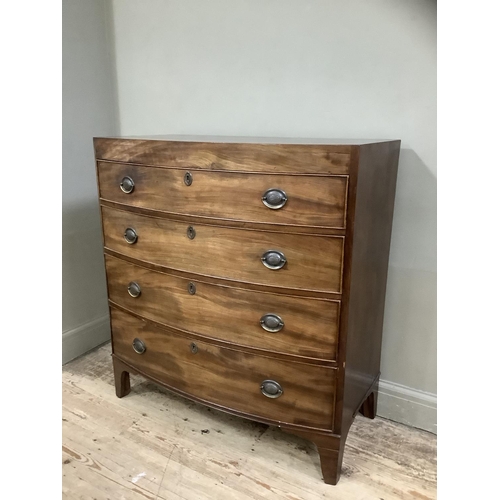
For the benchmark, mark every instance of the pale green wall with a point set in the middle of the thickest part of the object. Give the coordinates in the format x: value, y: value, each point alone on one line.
x: 89, y: 103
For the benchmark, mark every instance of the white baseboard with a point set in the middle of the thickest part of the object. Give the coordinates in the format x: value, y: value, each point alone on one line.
x: 407, y: 406
x: 84, y: 338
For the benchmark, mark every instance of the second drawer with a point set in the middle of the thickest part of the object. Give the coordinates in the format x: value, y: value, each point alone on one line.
x: 308, y: 327
x: 303, y: 262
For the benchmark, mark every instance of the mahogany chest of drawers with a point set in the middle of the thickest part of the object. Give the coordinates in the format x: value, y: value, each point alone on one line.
x: 250, y: 274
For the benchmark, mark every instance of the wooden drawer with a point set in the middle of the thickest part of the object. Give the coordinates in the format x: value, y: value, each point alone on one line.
x: 227, y: 377
x: 225, y: 313
x: 312, y: 262
x: 311, y: 200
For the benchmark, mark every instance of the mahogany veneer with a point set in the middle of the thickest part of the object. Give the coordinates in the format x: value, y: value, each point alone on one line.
x: 250, y: 274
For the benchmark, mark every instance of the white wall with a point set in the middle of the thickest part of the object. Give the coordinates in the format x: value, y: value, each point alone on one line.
x: 89, y: 103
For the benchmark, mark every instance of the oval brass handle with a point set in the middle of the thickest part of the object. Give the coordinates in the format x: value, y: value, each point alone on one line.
x: 271, y: 323
x: 273, y: 259
x: 271, y: 389
x: 130, y: 235
x: 274, y: 198
x: 139, y: 346
x: 134, y: 289
x: 127, y: 185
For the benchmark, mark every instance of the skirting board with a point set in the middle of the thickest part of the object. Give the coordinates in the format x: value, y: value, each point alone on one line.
x: 84, y: 338
x: 407, y: 406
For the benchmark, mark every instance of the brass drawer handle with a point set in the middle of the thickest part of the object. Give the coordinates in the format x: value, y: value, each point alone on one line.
x: 274, y: 198
x: 271, y: 389
x: 134, y: 289
x: 139, y: 346
x: 271, y: 323
x: 127, y: 185
x: 130, y: 236
x: 273, y: 259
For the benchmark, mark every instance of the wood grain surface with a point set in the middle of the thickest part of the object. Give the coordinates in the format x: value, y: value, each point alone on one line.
x: 155, y: 444
x: 313, y: 262
x: 226, y: 313
x: 311, y: 200
x: 367, y: 247
x: 335, y: 233
x: 240, y: 157
x: 227, y: 377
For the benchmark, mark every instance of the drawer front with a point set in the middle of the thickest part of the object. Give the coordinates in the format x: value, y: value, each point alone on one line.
x: 309, y: 326
x: 227, y: 377
x: 308, y: 200
x: 312, y: 262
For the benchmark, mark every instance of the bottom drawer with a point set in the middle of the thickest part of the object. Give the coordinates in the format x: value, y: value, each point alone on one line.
x: 227, y: 377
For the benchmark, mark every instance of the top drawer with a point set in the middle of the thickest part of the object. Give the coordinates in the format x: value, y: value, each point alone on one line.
x: 295, y: 200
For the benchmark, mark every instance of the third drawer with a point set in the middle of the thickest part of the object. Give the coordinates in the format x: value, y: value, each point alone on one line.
x: 274, y: 322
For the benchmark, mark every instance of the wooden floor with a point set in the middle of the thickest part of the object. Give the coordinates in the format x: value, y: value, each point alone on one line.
x: 155, y: 445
